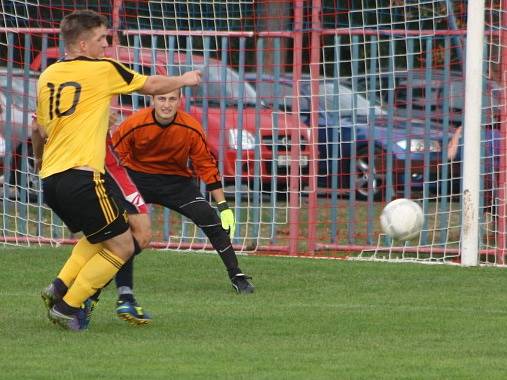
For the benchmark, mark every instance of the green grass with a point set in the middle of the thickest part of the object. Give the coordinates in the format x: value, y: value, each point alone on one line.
x: 309, y: 319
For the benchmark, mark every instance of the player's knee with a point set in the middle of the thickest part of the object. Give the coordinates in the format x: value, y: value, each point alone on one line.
x: 126, y: 250
x: 143, y: 238
x: 121, y: 245
x: 204, y: 215
x: 140, y: 225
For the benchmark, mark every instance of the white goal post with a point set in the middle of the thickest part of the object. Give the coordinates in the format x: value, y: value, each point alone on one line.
x: 472, y: 133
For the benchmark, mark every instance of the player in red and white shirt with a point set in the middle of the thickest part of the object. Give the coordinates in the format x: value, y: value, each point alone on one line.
x: 123, y: 188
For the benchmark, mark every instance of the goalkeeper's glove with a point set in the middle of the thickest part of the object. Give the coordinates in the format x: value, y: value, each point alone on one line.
x: 227, y: 218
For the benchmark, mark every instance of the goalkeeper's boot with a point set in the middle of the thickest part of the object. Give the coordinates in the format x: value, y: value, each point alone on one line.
x: 88, y: 307
x: 241, y: 284
x: 72, y: 322
x: 49, y: 296
x: 131, y: 312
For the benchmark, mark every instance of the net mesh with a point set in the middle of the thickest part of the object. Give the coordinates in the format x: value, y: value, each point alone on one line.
x: 319, y: 114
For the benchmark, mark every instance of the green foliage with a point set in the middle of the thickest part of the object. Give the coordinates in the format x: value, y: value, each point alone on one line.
x: 309, y: 319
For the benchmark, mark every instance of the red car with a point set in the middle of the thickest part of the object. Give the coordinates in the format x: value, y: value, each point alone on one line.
x: 217, y: 104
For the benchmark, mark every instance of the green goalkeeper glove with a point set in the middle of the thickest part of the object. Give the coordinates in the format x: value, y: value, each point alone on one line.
x: 227, y: 218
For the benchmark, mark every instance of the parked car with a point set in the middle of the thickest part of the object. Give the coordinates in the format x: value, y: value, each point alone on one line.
x: 221, y: 88
x: 344, y: 135
x: 19, y: 95
x: 413, y: 85
x: 452, y: 107
x: 349, y: 102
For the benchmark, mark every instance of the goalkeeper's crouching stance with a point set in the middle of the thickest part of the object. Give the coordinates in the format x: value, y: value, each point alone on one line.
x: 158, y: 173
x: 156, y: 144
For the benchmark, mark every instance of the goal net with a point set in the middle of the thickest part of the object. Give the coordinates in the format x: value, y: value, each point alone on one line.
x: 319, y: 113
x: 451, y: 213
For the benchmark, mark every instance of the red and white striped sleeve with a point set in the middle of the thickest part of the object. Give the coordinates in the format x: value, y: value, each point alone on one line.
x: 122, y: 179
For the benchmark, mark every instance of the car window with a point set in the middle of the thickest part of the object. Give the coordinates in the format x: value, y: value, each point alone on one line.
x: 342, y: 99
x: 419, y: 96
x: 266, y: 91
x: 217, y: 84
x: 345, y: 98
x: 490, y: 98
x: 361, y: 103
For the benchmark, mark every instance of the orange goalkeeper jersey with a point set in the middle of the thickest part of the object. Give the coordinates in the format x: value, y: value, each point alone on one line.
x: 146, y: 146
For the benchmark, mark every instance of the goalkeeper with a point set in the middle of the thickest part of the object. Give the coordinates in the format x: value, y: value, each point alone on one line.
x: 156, y: 144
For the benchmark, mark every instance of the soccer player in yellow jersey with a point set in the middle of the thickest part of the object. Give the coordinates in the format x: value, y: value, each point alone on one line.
x: 73, y: 100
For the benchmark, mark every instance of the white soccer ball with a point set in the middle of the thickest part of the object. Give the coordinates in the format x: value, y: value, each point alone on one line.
x: 402, y: 219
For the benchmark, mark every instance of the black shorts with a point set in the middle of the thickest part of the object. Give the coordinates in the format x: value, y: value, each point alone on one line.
x: 81, y: 199
x: 178, y: 193
x: 112, y: 186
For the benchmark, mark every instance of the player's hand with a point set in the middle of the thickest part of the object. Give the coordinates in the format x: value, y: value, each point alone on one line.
x: 113, y: 118
x: 453, y: 146
x: 227, y: 218
x: 192, y: 78
x: 137, y: 200
x: 38, y: 164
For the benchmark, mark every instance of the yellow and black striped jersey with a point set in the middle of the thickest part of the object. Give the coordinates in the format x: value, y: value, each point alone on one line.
x: 73, y: 102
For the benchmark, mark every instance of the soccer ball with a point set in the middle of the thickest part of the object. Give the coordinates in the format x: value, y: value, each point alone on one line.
x: 402, y: 219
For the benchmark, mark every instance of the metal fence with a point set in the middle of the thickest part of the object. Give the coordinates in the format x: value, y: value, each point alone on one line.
x: 315, y: 177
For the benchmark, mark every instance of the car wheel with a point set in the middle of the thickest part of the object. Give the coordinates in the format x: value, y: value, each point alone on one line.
x: 362, y: 175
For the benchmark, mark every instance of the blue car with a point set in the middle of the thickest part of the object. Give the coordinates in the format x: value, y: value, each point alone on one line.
x: 348, y: 125
x: 344, y: 152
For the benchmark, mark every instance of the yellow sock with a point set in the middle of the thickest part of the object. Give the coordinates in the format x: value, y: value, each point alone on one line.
x: 95, y: 275
x: 81, y: 253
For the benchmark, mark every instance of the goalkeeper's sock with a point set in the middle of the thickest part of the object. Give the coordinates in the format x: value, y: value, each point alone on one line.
x: 222, y: 243
x: 126, y: 294
x: 94, y: 275
x: 233, y: 272
x: 137, y: 247
x: 125, y: 276
x: 230, y: 260
x: 81, y: 253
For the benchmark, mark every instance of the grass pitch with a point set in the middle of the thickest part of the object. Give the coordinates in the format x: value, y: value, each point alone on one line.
x: 309, y: 319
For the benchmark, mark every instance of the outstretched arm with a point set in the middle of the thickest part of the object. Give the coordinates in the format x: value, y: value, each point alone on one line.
x: 160, y: 84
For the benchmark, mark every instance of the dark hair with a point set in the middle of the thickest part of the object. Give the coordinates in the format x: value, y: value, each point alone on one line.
x: 75, y: 24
